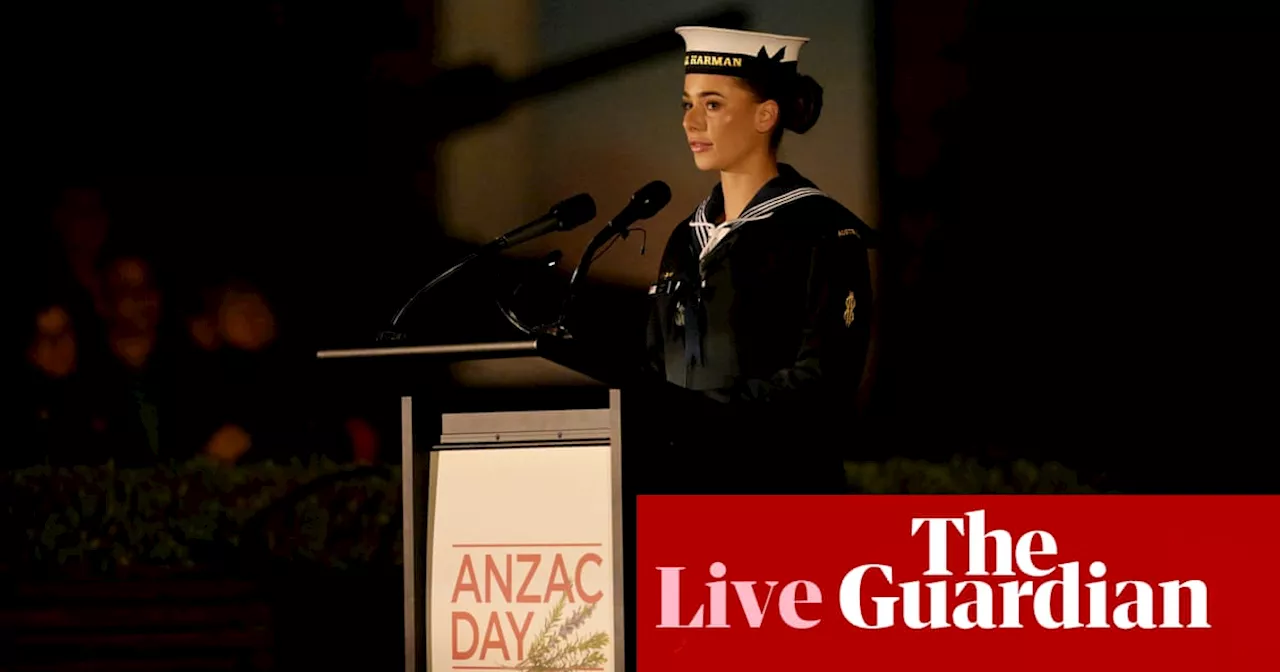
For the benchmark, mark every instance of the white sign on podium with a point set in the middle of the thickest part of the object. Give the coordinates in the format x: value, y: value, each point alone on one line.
x: 522, y: 543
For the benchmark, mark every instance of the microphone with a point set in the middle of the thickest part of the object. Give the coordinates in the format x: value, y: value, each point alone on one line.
x: 645, y: 203
x: 566, y: 215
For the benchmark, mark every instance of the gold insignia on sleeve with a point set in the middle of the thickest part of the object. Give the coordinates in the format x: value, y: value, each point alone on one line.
x: 849, y: 304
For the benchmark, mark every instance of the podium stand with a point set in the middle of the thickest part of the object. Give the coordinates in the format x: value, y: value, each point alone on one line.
x: 513, y: 501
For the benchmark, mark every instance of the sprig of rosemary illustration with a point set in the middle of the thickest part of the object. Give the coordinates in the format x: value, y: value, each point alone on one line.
x: 559, y: 647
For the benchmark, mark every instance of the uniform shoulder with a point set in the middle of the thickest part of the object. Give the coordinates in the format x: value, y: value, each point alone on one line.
x: 823, y: 218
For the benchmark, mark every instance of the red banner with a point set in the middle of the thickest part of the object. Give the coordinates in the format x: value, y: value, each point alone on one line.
x: 957, y: 583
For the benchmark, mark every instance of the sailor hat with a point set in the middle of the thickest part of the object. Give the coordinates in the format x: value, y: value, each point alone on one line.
x: 739, y: 53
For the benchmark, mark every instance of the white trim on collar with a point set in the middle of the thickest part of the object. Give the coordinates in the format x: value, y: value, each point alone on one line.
x: 710, y: 234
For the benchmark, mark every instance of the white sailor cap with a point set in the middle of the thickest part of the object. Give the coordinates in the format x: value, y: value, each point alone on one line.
x: 739, y: 53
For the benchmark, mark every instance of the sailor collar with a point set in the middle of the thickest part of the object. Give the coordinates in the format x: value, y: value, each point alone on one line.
x: 787, y: 187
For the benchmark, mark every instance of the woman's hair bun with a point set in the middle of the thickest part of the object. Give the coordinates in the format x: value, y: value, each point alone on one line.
x: 805, y: 104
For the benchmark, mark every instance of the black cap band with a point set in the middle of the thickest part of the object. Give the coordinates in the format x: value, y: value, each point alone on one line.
x: 759, y: 66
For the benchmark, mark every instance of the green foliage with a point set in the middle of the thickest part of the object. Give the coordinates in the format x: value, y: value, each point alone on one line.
x: 105, y: 520
x: 560, y: 648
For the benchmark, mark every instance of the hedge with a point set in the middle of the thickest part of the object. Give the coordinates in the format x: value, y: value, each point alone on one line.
x: 103, y: 520
x: 198, y: 514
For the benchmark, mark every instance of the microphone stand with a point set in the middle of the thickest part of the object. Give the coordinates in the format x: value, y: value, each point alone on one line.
x: 602, y: 237
x: 549, y: 260
x: 391, y: 334
x: 567, y: 214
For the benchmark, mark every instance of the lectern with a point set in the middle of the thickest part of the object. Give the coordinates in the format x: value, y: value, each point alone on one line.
x: 515, y: 516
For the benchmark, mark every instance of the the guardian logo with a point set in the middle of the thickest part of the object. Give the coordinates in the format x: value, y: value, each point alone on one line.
x: 1027, y: 587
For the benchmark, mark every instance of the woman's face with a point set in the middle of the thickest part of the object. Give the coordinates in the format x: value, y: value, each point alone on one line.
x: 723, y: 121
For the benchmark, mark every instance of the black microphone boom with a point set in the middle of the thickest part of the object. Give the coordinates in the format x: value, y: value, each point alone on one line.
x: 566, y: 215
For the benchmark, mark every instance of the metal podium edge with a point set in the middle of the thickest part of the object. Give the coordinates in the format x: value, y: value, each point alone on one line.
x: 451, y: 349
x: 619, y: 559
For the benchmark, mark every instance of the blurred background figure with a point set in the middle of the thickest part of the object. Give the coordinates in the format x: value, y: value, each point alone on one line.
x: 95, y: 321
x: 244, y: 320
x: 54, y: 349
x: 132, y: 311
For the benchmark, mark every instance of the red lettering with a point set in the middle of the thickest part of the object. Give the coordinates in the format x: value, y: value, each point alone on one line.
x: 461, y: 584
x: 521, y: 631
x: 503, y: 580
x: 500, y: 580
x: 553, y: 585
x: 577, y: 578
x: 536, y: 559
x: 475, y: 636
x: 493, y: 637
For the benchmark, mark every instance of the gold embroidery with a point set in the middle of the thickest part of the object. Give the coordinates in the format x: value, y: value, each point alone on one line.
x: 713, y: 60
x: 849, y: 303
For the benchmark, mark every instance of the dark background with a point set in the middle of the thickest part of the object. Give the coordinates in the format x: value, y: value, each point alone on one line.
x: 1076, y: 200
x: 1090, y: 238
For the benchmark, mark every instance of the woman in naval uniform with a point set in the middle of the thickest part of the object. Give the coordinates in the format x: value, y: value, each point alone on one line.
x: 762, y: 302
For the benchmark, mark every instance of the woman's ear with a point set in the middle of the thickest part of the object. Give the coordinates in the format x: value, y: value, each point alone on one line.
x: 766, y: 116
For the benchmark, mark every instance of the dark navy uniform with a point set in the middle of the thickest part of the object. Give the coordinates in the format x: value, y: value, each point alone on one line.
x: 766, y: 319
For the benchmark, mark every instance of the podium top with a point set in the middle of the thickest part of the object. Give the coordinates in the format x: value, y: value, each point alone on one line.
x: 463, y: 350
x: 547, y: 361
